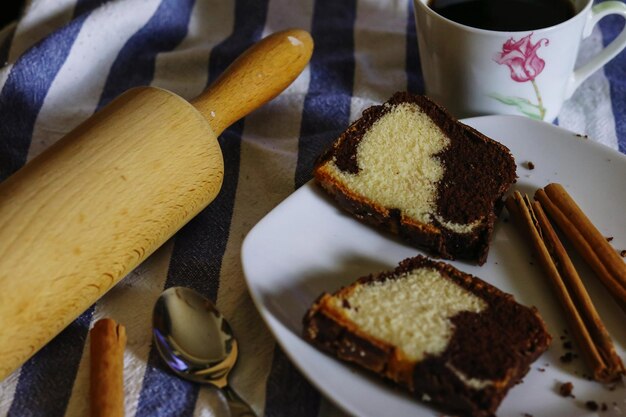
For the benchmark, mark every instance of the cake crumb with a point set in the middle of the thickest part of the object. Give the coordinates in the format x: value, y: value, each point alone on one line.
x: 541, y: 369
x: 623, y: 253
x: 592, y: 405
x: 566, y: 389
x: 609, y: 238
x: 529, y: 165
x: 527, y: 415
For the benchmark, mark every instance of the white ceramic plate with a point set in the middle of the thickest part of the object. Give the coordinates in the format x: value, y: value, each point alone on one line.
x: 307, y: 245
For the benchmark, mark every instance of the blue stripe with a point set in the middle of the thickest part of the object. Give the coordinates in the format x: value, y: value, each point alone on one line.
x: 200, y: 246
x: 134, y: 65
x: 325, y: 114
x: 26, y: 87
x: 24, y: 91
x: 288, y: 393
x: 327, y: 103
x: 46, y: 380
x: 415, y: 81
x: 615, y: 72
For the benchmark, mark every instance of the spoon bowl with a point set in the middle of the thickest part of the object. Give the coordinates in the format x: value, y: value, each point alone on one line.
x: 196, y: 342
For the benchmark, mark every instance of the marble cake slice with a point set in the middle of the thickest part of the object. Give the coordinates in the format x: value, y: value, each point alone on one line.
x: 410, y: 168
x: 449, y: 338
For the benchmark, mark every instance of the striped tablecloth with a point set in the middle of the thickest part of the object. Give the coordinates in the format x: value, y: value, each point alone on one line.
x: 64, y: 59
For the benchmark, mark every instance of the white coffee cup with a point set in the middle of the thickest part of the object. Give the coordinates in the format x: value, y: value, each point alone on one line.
x: 474, y: 71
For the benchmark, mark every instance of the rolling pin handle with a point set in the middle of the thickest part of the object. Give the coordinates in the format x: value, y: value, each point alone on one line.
x: 257, y: 76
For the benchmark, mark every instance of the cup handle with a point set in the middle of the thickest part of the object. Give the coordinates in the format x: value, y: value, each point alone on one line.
x: 598, y: 12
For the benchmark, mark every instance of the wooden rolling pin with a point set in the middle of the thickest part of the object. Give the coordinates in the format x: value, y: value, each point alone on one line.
x: 79, y: 217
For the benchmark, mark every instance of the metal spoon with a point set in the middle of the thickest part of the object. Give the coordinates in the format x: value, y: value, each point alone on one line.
x: 196, y: 342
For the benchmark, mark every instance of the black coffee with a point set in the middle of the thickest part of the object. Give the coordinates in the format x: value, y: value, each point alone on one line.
x: 506, y: 15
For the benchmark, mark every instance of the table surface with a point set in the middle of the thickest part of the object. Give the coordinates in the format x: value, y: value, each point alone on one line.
x: 64, y: 59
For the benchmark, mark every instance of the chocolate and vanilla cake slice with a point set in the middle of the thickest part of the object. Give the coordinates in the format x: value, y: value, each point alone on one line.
x: 449, y: 338
x: 409, y: 167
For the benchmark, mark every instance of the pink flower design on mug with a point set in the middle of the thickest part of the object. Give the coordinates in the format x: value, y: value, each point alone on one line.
x: 525, y: 65
x: 521, y: 58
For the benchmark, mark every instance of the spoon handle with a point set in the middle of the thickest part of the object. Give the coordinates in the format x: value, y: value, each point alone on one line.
x: 236, y: 405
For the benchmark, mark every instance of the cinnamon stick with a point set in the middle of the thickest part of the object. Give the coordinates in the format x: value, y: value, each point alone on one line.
x: 108, y: 340
x: 589, y: 332
x: 586, y: 239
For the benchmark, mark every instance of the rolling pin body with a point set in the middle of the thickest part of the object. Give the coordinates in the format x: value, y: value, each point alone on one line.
x: 83, y: 214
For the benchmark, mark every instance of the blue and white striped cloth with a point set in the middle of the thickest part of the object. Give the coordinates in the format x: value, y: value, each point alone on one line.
x: 64, y: 59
